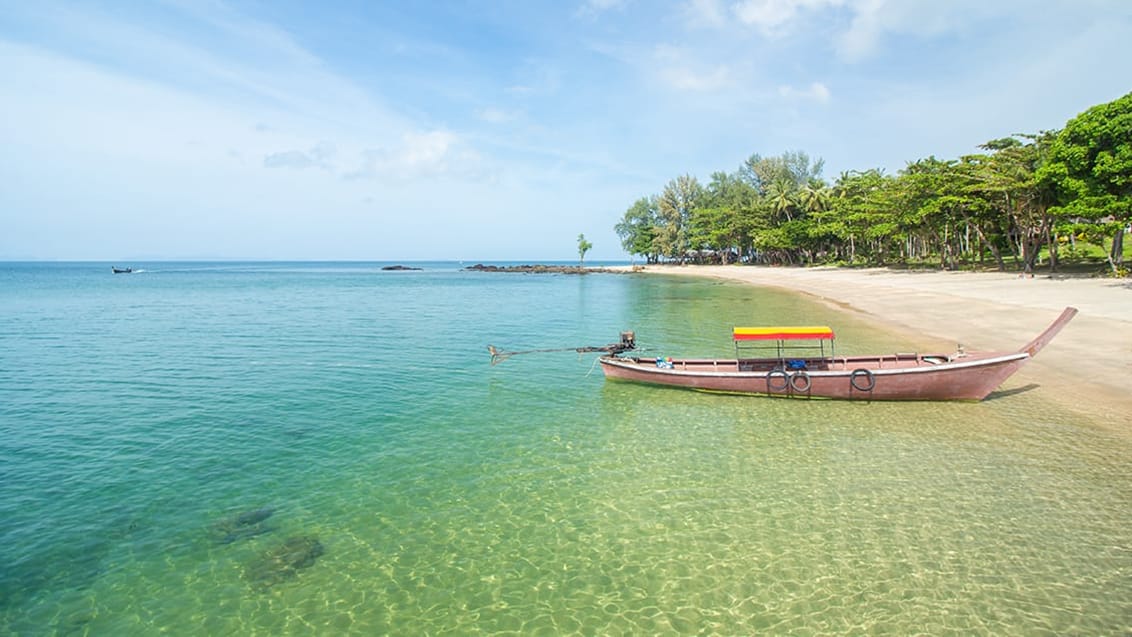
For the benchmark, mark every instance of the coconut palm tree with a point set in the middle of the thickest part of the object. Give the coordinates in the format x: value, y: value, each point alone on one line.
x: 781, y: 196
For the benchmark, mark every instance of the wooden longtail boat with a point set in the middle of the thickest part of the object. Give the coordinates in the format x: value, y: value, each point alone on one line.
x: 958, y: 376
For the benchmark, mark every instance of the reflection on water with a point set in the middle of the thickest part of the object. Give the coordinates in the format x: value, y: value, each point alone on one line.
x: 343, y: 459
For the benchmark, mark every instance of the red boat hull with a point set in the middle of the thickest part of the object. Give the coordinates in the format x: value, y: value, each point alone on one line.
x: 889, y: 377
x: 862, y: 378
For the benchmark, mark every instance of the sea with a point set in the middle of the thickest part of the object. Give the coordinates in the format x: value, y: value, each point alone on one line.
x: 327, y: 449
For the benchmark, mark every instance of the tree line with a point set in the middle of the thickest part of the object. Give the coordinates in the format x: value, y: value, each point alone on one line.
x: 1025, y: 197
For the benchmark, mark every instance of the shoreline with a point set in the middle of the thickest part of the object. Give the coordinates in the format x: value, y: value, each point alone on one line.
x: 1090, y: 360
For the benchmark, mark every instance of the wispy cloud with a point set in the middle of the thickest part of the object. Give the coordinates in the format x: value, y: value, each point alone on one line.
x: 679, y: 69
x: 238, y: 61
x: 437, y: 153
x: 317, y: 157
x: 774, y: 16
x: 705, y: 13
x: 593, y: 8
x: 497, y: 115
x: 817, y: 92
x: 858, y: 27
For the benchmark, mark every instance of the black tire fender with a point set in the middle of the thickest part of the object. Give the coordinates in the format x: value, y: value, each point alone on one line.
x: 800, y: 382
x: 777, y: 372
x: 869, y: 383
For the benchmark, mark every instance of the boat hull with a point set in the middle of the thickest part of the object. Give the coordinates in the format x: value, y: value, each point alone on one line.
x: 910, y: 377
x: 887, y: 377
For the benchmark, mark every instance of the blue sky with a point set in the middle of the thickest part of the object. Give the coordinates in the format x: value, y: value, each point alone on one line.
x: 489, y: 130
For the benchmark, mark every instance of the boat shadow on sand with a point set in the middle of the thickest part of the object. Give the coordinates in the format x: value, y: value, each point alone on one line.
x: 1005, y: 393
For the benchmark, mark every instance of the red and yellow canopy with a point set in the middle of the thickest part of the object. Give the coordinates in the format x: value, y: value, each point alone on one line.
x: 782, y: 333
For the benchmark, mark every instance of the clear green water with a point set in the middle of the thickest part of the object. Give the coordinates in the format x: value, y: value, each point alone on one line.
x: 140, y: 414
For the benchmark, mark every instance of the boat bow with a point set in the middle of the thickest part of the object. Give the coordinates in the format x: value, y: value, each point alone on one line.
x: 1033, y: 347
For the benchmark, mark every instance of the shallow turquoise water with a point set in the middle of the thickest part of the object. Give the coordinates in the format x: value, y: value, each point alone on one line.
x: 141, y: 414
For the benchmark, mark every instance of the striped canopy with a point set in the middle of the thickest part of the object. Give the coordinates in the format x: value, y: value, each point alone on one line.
x: 782, y: 333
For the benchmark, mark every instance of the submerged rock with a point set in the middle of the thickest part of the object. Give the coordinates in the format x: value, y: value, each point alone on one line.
x: 400, y: 268
x: 242, y: 525
x: 284, y: 561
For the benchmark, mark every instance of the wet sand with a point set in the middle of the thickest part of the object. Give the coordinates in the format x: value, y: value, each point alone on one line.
x: 1090, y: 362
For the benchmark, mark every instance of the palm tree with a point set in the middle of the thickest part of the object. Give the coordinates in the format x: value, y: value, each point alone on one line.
x: 815, y: 197
x: 781, y: 198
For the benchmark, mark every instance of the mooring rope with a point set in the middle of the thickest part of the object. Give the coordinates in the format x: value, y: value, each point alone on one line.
x: 627, y: 342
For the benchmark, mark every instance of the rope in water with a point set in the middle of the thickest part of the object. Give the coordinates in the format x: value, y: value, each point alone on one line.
x: 627, y: 342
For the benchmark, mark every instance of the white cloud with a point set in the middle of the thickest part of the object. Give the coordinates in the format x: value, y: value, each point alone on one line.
x: 594, y: 7
x: 318, y: 156
x: 864, y: 31
x: 678, y: 69
x: 705, y: 13
x: 420, y: 154
x: 861, y: 25
x: 497, y: 116
x: 817, y: 92
x: 245, y: 63
x: 873, y: 19
x: 688, y: 80
x: 605, y: 5
x: 773, y: 16
x: 427, y: 149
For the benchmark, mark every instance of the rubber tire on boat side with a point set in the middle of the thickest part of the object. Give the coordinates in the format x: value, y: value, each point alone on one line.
x: 857, y: 373
x: 776, y: 373
x: 800, y: 382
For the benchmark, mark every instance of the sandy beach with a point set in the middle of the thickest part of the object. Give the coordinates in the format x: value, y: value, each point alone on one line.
x: 1091, y: 359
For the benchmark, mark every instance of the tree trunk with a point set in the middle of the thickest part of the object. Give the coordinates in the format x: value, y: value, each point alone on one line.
x: 995, y: 252
x: 1116, y: 254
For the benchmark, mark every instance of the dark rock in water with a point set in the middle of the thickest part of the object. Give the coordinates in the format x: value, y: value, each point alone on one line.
x: 254, y: 517
x: 284, y: 561
x: 242, y: 526
x: 400, y: 268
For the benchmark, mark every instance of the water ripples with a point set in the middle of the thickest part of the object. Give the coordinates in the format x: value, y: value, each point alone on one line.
x: 447, y: 495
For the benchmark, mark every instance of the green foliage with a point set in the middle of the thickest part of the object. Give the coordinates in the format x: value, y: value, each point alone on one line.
x: 722, y: 222
x: 1090, y: 171
x: 1027, y: 200
x: 794, y: 168
x: 583, y: 247
x: 675, y: 205
x: 1090, y: 161
x: 638, y: 227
